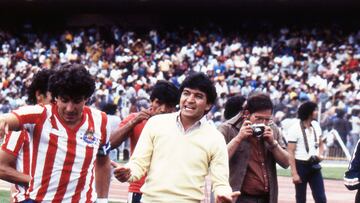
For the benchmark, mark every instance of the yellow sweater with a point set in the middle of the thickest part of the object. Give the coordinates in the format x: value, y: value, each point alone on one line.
x: 177, y: 163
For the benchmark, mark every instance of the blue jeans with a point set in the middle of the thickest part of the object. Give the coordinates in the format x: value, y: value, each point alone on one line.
x: 314, y: 178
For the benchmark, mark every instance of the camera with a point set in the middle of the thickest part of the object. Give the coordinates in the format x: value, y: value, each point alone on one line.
x: 258, y: 129
x: 314, y: 159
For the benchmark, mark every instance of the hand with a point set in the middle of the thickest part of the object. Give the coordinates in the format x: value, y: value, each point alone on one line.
x: 296, y: 179
x: 121, y: 173
x: 143, y: 115
x: 229, y: 198
x: 245, y: 131
x: 268, y: 135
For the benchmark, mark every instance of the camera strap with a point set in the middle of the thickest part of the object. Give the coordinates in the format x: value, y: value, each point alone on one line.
x: 305, y: 137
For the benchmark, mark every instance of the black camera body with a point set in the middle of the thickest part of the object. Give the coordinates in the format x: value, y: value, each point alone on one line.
x: 258, y: 129
x: 314, y: 159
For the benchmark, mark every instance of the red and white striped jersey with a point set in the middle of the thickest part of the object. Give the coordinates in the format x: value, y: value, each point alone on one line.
x: 62, y: 159
x: 17, y: 144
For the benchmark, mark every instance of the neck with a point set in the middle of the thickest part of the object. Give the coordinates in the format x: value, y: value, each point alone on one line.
x: 307, y: 123
x: 186, y: 122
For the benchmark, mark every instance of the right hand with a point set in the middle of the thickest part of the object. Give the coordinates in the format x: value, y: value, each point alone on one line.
x: 121, y: 173
x: 296, y: 179
x: 143, y: 115
x: 245, y: 130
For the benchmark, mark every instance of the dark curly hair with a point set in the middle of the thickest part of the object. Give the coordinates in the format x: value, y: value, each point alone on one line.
x: 200, y: 81
x: 306, y: 109
x: 72, y: 80
x: 165, y: 92
x: 39, y: 83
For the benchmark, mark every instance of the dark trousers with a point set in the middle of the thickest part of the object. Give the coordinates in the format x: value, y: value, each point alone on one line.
x: 135, y: 197
x: 28, y: 201
x: 245, y: 198
x: 314, y: 178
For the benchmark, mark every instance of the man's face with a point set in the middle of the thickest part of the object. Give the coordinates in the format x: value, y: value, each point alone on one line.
x: 264, y: 116
x: 314, y: 114
x: 158, y: 107
x: 70, y: 110
x: 193, y: 104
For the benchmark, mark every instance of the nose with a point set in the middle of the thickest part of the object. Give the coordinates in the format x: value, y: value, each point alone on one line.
x: 163, y: 108
x: 70, y: 107
x: 190, y: 98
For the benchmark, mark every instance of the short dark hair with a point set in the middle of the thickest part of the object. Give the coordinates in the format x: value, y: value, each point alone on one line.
x: 200, y: 81
x: 306, y: 109
x: 258, y: 102
x: 165, y: 92
x: 39, y: 83
x: 233, y: 106
x: 72, y: 80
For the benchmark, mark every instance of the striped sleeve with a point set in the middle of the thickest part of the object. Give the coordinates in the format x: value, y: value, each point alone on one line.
x: 29, y: 114
x: 351, y: 178
x: 13, y: 142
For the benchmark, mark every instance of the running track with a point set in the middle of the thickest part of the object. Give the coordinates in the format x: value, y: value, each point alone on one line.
x: 335, y: 191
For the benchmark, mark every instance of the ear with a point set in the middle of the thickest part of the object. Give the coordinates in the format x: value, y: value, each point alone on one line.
x: 208, y: 107
x: 246, y: 114
x: 39, y: 97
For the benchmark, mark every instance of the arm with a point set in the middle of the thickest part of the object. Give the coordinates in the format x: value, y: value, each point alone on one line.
x: 8, y: 122
x: 219, y: 173
x: 244, y: 133
x: 294, y: 173
x: 123, y: 131
x: 8, y: 170
x: 276, y: 146
x: 102, y: 176
x: 140, y: 160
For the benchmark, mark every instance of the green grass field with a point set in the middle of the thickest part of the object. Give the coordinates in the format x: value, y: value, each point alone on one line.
x: 335, y: 173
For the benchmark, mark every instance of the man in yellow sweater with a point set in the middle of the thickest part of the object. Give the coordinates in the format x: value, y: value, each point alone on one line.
x: 178, y: 150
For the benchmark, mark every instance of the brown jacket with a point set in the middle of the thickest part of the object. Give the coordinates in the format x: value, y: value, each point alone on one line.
x: 238, y: 163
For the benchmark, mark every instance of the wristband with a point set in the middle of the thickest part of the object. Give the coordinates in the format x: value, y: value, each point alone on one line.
x: 102, y: 200
x: 273, y: 146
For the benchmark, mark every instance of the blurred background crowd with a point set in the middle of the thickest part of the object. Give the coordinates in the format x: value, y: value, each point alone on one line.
x: 291, y: 63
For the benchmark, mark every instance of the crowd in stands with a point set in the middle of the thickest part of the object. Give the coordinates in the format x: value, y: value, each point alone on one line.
x: 291, y: 64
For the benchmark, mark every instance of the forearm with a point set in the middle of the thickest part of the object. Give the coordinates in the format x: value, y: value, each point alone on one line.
x: 292, y: 164
x: 11, y: 175
x: 232, y: 146
x: 102, y: 176
x: 281, y: 156
x: 120, y: 134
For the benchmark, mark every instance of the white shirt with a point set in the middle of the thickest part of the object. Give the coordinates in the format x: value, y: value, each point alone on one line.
x: 295, y: 136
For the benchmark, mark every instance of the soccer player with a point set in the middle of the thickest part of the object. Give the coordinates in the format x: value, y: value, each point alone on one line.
x: 64, y: 141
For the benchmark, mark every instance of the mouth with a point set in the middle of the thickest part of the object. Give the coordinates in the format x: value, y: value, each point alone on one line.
x: 189, y: 108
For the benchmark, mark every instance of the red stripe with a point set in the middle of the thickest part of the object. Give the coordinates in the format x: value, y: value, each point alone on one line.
x: 36, y: 141
x: 89, y: 193
x: 6, y: 141
x: 83, y: 174
x: 67, y: 167
x: 48, y: 166
x: 26, y: 159
x: 103, y: 128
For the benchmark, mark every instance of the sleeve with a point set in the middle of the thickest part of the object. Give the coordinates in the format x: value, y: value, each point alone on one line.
x: 352, y: 175
x: 127, y: 119
x: 224, y: 130
x: 279, y: 137
x: 13, y: 142
x: 292, y: 134
x: 30, y: 114
x: 219, y: 168
x: 140, y: 160
x: 105, y: 147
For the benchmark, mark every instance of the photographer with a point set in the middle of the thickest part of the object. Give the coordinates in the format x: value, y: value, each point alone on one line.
x: 255, y: 145
x: 305, y: 148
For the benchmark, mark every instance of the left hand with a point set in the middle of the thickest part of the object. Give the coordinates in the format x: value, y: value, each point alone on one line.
x: 229, y: 198
x: 268, y: 135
